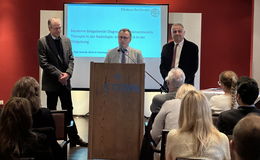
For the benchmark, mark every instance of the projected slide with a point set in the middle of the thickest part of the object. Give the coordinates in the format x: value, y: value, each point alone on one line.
x: 93, y: 29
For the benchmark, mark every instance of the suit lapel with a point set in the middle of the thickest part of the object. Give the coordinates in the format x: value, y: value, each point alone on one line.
x: 115, y: 58
x: 64, y: 50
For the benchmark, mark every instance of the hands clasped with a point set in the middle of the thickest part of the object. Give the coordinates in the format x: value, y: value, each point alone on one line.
x: 63, y: 79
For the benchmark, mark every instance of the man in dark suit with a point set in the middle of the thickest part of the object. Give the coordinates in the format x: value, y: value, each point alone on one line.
x: 247, y: 93
x: 180, y: 53
x: 56, y: 60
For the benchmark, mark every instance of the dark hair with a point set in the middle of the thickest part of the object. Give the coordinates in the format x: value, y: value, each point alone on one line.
x: 15, y: 125
x: 125, y: 30
x: 247, y: 89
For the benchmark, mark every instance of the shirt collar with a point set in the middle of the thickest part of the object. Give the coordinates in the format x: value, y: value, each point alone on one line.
x: 54, y: 38
x: 247, y: 107
x: 127, y: 48
x: 180, y: 44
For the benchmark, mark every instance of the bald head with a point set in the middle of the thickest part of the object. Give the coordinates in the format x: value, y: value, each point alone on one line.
x: 54, y: 25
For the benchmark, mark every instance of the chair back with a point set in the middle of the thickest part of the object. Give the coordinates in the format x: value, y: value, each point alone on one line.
x: 60, y: 123
x: 163, y: 144
x: 59, y: 117
x: 215, y: 119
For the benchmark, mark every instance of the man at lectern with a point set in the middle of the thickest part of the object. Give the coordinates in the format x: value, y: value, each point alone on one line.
x: 56, y: 60
x: 124, y: 53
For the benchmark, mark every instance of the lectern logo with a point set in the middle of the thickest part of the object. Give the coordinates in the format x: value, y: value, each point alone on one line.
x: 117, y: 76
x: 118, y: 86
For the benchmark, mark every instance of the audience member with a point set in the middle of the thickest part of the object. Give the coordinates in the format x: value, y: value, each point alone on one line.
x: 228, y: 82
x: 16, y: 138
x: 247, y: 93
x: 168, y: 116
x: 174, y: 80
x: 245, y: 144
x: 118, y: 54
x: 27, y: 87
x: 196, y: 137
x: 180, y: 53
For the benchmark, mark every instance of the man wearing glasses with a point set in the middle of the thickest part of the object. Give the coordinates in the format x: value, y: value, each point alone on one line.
x: 180, y: 53
x: 57, y: 62
x: 124, y: 53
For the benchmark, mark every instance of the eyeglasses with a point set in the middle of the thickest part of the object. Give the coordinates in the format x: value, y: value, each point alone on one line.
x: 179, y: 31
x: 123, y: 37
x: 56, y: 28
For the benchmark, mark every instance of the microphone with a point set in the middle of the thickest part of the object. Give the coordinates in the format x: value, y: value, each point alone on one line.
x: 163, y: 89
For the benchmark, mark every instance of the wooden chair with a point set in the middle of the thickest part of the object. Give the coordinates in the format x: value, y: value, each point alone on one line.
x: 215, y: 119
x: 59, y: 117
x: 163, y: 145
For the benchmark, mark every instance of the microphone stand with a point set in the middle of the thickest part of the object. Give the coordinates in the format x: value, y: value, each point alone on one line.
x: 163, y: 89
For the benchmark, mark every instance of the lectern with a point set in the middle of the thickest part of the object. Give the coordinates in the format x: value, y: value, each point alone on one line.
x: 116, y: 111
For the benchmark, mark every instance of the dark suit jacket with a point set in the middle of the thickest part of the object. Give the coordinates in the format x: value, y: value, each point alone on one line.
x: 51, y: 62
x: 188, y: 60
x: 228, y: 119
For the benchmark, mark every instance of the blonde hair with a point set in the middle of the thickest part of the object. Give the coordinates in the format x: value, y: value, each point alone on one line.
x: 183, y: 90
x: 195, y: 118
x: 27, y: 87
x: 229, y: 81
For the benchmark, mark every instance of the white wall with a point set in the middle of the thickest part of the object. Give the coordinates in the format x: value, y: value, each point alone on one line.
x: 256, y: 42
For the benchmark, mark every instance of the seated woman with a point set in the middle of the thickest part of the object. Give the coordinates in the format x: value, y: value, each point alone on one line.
x: 16, y: 138
x: 168, y: 116
x: 196, y: 138
x: 27, y: 87
x: 227, y: 81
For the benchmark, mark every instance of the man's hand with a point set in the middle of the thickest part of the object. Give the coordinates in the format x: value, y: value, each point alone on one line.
x: 64, y: 78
